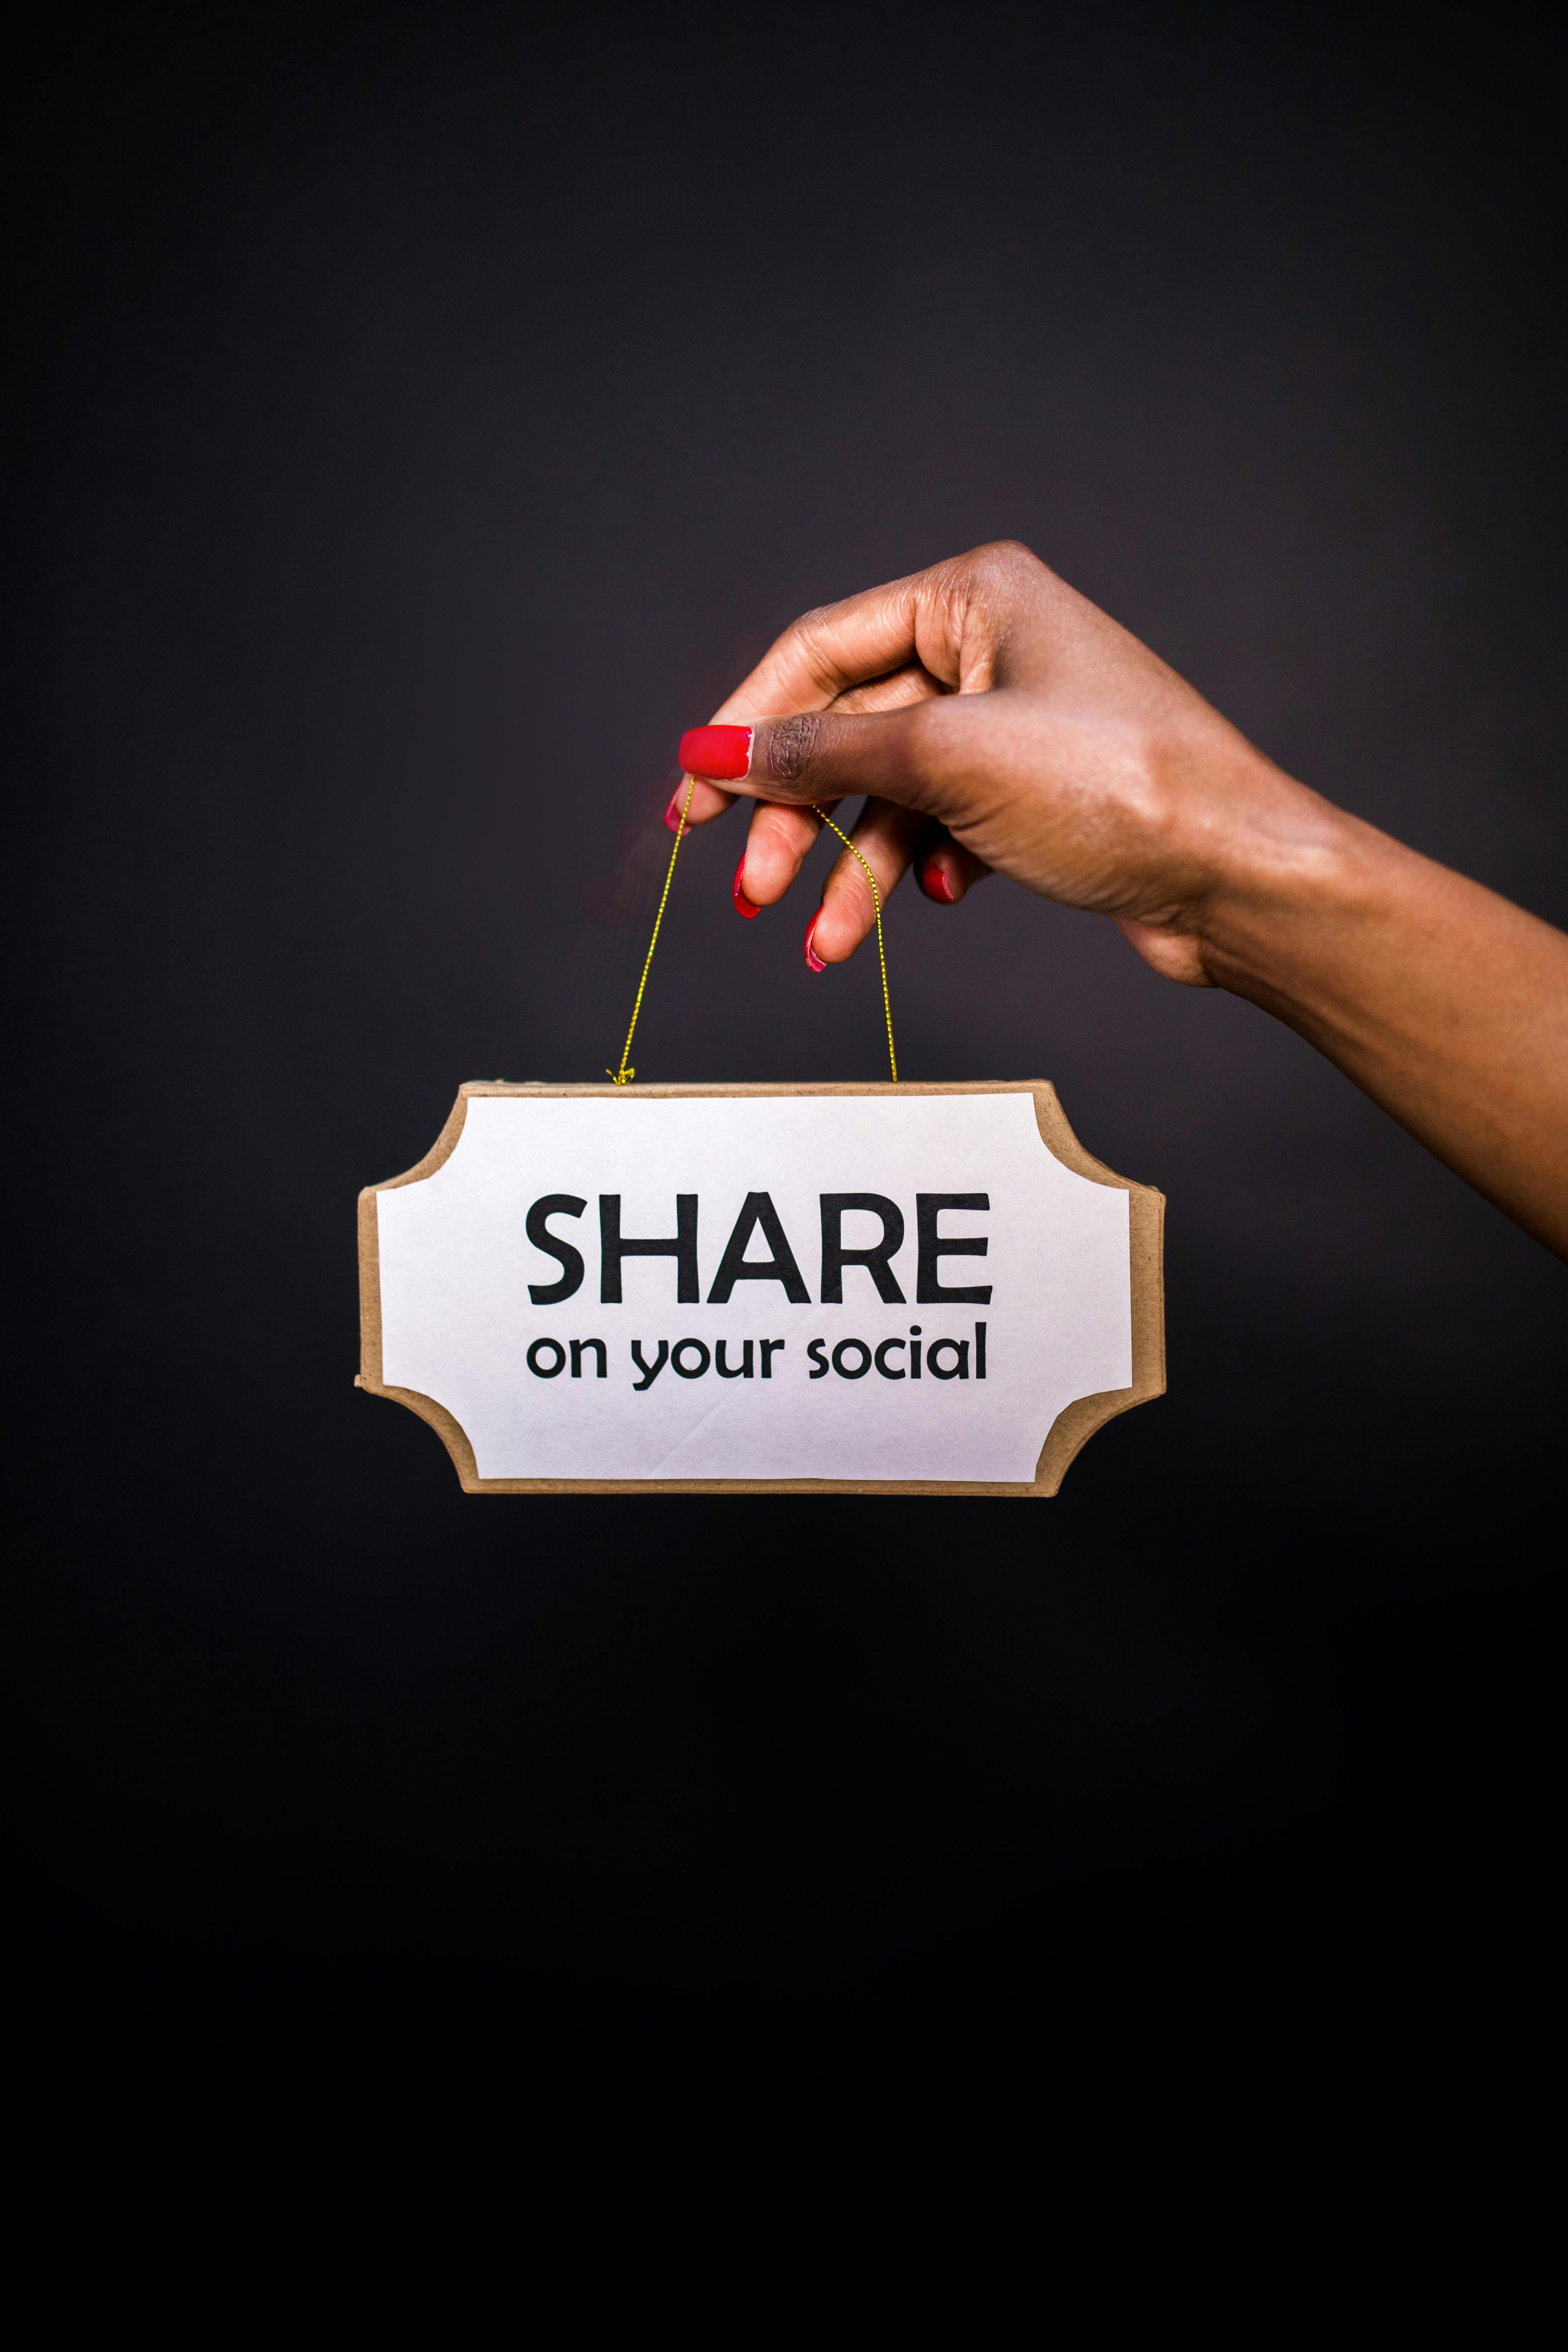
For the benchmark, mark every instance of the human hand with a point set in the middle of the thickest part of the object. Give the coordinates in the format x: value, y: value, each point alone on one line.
x: 998, y: 721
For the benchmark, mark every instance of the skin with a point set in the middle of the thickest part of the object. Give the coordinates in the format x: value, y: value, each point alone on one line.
x: 998, y: 722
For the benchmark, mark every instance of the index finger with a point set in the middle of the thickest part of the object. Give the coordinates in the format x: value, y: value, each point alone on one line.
x: 902, y: 642
x: 837, y: 647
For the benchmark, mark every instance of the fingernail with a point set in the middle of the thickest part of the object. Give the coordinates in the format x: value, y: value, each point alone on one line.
x: 813, y: 959
x: 743, y: 904
x: 935, y: 885
x: 720, y: 751
x: 677, y: 803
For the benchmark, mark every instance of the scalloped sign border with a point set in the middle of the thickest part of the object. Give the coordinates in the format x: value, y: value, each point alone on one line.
x: 1072, y: 1428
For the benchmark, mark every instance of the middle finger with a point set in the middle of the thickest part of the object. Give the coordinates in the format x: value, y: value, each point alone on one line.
x: 780, y: 835
x: 886, y: 836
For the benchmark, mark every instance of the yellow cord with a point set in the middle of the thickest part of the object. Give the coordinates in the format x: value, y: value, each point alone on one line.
x: 877, y: 902
x: 623, y: 1077
x: 625, y: 1074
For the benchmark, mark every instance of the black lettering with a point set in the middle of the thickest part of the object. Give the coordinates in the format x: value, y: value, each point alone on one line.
x: 861, y: 1368
x: 980, y: 1352
x: 915, y: 1352
x: 743, y: 1371
x: 961, y: 1367
x: 650, y: 1372
x: 781, y: 1268
x: 538, y: 1369
x: 817, y: 1350
x: 598, y: 1348
x: 929, y: 1207
x: 836, y: 1257
x: 772, y: 1348
x: 613, y: 1248
x: 555, y: 1204
x: 882, y: 1359
x: 679, y: 1351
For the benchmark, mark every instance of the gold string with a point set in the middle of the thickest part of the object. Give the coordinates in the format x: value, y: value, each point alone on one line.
x: 881, y: 954
x: 623, y: 1076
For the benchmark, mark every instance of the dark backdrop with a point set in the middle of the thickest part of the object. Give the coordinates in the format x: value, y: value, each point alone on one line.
x: 436, y: 410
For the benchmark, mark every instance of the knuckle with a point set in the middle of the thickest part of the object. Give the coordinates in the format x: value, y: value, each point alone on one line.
x: 849, y: 885
x: 805, y: 624
x: 928, y: 733
x: 791, y: 743
x: 807, y: 646
x: 784, y: 836
x: 772, y: 823
x: 1004, y: 569
x: 1006, y: 555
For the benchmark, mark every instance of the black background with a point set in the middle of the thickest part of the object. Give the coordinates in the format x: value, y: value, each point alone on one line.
x: 437, y: 409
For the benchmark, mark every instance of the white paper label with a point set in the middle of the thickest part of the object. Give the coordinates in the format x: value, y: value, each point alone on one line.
x: 841, y: 1361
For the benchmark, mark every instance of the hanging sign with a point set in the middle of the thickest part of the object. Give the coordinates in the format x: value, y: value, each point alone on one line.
x: 817, y: 1289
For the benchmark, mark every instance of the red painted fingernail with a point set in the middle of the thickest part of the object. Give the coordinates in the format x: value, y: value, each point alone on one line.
x: 935, y: 885
x: 720, y: 751
x: 813, y: 959
x: 743, y: 904
x: 677, y: 803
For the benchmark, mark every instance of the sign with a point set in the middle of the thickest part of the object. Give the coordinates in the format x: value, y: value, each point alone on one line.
x: 909, y: 1289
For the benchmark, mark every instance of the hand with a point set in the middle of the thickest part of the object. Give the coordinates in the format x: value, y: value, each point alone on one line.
x: 998, y: 722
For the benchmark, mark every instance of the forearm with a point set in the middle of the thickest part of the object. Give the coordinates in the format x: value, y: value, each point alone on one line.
x: 1446, y: 1004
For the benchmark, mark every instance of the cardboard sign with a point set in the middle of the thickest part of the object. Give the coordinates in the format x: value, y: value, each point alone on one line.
x: 910, y: 1289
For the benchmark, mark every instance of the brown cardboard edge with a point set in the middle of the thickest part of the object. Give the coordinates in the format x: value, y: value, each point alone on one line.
x: 1077, y: 1423
x: 1068, y: 1433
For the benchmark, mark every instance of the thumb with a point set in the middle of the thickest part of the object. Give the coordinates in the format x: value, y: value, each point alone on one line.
x: 816, y: 755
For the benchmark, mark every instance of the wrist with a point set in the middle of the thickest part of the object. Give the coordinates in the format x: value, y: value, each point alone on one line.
x: 1294, y: 886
